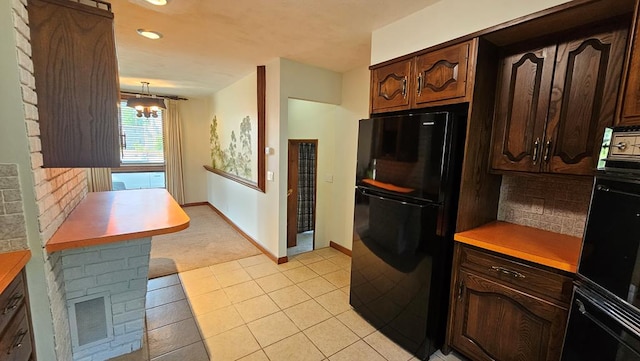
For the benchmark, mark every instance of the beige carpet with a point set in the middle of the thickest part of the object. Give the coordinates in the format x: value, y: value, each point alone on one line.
x: 208, y: 240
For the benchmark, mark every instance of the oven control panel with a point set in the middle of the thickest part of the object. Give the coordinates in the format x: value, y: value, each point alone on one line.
x: 625, y: 145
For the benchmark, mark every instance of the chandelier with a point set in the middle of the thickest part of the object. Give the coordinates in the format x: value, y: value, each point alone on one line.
x: 145, y: 104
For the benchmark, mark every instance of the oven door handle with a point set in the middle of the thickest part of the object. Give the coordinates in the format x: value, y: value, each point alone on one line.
x: 583, y: 311
x: 602, y: 188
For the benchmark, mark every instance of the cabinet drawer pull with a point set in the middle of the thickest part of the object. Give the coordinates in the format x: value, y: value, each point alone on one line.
x: 14, y: 302
x: 547, y: 150
x: 17, y: 340
x: 404, y: 87
x: 419, y: 84
x: 536, y: 149
x: 508, y: 271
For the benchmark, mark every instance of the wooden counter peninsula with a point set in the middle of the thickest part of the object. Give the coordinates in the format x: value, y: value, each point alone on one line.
x: 106, y: 217
x: 101, y: 252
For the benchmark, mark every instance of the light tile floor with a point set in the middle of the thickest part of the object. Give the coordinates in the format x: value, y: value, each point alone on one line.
x: 254, y: 310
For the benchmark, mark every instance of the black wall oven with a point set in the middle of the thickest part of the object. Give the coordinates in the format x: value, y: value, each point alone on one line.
x: 406, y: 199
x: 604, y: 321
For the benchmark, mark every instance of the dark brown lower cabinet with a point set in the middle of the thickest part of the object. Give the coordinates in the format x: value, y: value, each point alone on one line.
x: 16, y: 339
x: 493, y: 318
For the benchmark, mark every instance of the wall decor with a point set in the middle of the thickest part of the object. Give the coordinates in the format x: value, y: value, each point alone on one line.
x: 236, y: 158
x: 236, y: 152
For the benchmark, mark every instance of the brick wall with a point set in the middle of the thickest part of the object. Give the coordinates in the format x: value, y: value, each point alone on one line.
x: 57, y: 191
x: 551, y: 203
x: 121, y: 270
x: 13, y: 231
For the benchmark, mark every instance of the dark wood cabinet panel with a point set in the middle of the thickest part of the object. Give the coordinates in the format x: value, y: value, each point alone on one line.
x: 583, y: 100
x: 442, y: 74
x: 630, y: 100
x: 439, y: 77
x: 522, y: 101
x: 500, y: 311
x: 553, y: 103
x: 494, y: 322
x: 16, y: 338
x: 76, y: 76
x: 390, y: 87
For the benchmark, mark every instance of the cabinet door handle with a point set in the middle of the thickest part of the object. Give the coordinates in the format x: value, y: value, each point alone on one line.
x: 547, y: 150
x: 419, y: 84
x: 536, y: 149
x: 14, y: 302
x: 17, y: 340
x: 460, y: 290
x: 404, y: 87
x: 507, y: 271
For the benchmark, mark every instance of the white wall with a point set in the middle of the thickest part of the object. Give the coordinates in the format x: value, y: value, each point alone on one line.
x: 299, y: 81
x: 447, y: 20
x: 195, y: 148
x: 354, y: 106
x: 312, y: 120
x: 263, y: 215
x: 256, y: 213
x: 14, y: 149
x: 238, y: 202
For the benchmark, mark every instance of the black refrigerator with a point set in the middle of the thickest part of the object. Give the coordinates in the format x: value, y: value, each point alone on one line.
x: 407, y: 183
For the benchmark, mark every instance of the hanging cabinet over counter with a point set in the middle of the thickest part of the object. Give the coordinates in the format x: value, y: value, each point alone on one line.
x: 76, y: 77
x: 434, y: 78
x: 629, y: 112
x: 554, y: 101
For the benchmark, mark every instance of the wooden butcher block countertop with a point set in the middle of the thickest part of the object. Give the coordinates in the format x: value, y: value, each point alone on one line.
x: 551, y: 249
x: 11, y: 263
x: 107, y: 217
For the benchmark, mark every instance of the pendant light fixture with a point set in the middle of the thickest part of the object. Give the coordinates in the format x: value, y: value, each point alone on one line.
x: 145, y: 104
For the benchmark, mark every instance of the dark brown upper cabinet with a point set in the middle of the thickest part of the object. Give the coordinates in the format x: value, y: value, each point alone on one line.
x: 390, y: 87
x: 553, y: 103
x: 629, y: 113
x: 76, y: 77
x: 434, y: 78
x: 442, y: 74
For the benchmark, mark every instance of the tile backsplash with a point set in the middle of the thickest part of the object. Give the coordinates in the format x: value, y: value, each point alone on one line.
x: 551, y: 203
x: 13, y: 231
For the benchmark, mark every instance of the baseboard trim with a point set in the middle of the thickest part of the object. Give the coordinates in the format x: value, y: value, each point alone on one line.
x: 248, y: 237
x: 340, y: 248
x: 195, y: 204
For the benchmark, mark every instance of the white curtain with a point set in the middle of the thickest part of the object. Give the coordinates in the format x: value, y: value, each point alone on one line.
x: 99, y: 179
x: 172, y: 133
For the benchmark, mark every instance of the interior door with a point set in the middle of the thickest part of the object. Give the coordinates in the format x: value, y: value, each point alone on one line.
x: 292, y: 193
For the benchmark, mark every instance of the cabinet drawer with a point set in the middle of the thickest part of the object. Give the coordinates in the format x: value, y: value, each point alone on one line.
x: 11, y: 300
x: 539, y: 282
x: 15, y: 343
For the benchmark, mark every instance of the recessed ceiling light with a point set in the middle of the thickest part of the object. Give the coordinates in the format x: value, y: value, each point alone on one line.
x: 157, y: 2
x: 149, y: 34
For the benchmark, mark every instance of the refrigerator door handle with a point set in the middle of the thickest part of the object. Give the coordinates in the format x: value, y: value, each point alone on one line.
x: 371, y: 194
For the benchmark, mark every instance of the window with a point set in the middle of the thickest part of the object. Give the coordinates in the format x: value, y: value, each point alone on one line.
x: 141, y: 152
x: 142, y: 141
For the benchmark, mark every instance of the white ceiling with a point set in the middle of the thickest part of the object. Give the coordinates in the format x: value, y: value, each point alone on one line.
x: 209, y: 44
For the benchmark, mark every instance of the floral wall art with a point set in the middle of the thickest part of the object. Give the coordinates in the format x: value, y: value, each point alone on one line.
x: 237, y: 131
x: 236, y: 155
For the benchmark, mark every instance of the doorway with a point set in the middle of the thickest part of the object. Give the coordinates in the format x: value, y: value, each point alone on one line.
x: 301, y: 195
